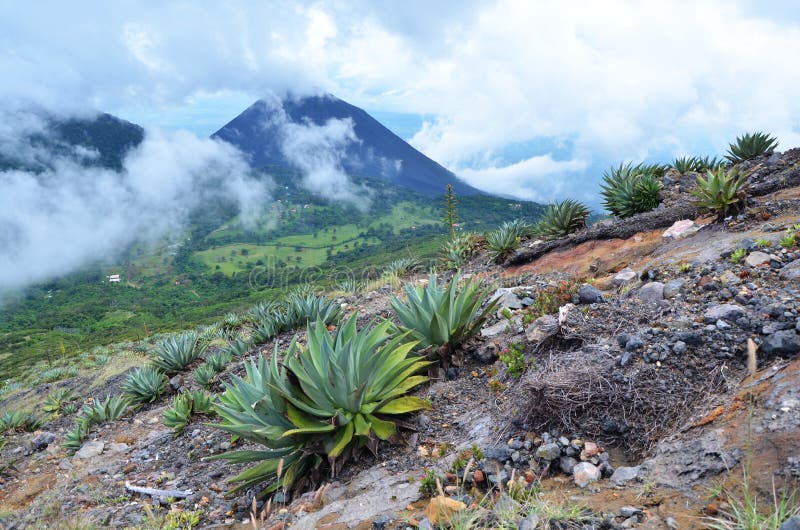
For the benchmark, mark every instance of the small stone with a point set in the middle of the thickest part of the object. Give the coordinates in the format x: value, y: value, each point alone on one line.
x: 494, y: 330
x: 590, y: 449
x: 90, y: 450
x: 652, y: 292
x: 785, y: 342
x: 567, y: 464
x: 478, y: 476
x: 679, y: 347
x: 722, y: 325
x: 486, y: 353
x: 790, y: 271
x: 624, y: 276
x: 625, y: 474
x: 548, y: 451
x: 589, y: 295
x: 42, y: 440
x: 176, y: 382
x: 381, y: 522
x: 680, y: 229
x: 634, y: 343
x: 756, y: 259
x: 281, y: 497
x: 729, y: 312
x: 673, y: 288
x: 530, y: 522
x: 585, y: 473
x: 542, y: 328
x: 499, y: 453
x: 629, y: 511
x: 507, y: 299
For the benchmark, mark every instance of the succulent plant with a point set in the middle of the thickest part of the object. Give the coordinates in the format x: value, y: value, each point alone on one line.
x: 304, y: 308
x: 109, y: 409
x: 16, y: 420
x: 506, y: 238
x: 74, y: 437
x: 326, y: 400
x: 177, y: 352
x: 442, y: 317
x: 458, y: 249
x: 144, y: 384
x: 204, y: 374
x: 627, y: 190
x: 750, y: 146
x: 720, y: 191
x: 55, y: 402
x: 562, y: 218
x: 218, y: 361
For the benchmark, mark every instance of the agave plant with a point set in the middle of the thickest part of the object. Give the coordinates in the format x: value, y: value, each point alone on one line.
x: 627, y: 190
x: 252, y: 408
x: 750, y: 146
x: 175, y: 353
x: 56, y: 401
x: 305, y: 308
x: 720, y: 191
x: 708, y: 164
x: 685, y: 164
x: 327, y: 399
x: 265, y: 331
x: 204, y: 374
x: 350, y: 286
x: 218, y: 361
x: 264, y: 310
x: 505, y: 239
x: 209, y: 333
x: 562, y: 218
x: 73, y: 438
x: 110, y: 409
x: 15, y: 420
x: 443, y: 317
x: 177, y: 415
x: 144, y: 384
x: 457, y: 249
x: 403, y: 266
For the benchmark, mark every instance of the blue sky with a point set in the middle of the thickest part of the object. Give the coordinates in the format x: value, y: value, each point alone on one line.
x: 533, y: 99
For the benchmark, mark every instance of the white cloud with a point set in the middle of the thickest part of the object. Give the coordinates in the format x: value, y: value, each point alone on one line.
x: 55, y: 221
x: 620, y: 79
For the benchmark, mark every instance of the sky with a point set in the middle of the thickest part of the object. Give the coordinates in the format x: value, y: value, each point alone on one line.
x: 527, y: 98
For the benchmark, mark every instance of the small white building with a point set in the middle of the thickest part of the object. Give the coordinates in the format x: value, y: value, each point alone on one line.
x: 114, y: 278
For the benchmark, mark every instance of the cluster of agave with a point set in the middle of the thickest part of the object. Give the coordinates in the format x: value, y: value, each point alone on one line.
x: 343, y: 390
x: 301, y: 308
x: 177, y: 352
x: 562, y: 218
x: 332, y: 397
x: 59, y: 401
x: 506, y: 238
x: 697, y: 164
x: 720, y: 191
x: 458, y: 248
x: 177, y: 415
x: 628, y: 189
x: 13, y: 420
x: 750, y: 146
x: 95, y: 413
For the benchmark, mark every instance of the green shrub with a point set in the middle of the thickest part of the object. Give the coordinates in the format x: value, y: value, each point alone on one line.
x: 458, y: 248
x: 144, y: 384
x: 788, y: 241
x: 403, y: 266
x: 73, y: 438
x: 55, y: 402
x: 177, y: 415
x: 15, y: 420
x: 204, y: 374
x: 562, y: 218
x: 506, y: 238
x: 514, y: 359
x: 110, y: 409
x: 628, y: 190
x: 328, y: 399
x: 720, y: 192
x: 443, y: 317
x: 738, y: 255
x: 58, y: 373
x: 697, y: 164
x: 177, y: 352
x: 219, y: 361
x: 685, y: 164
x: 750, y: 146
x: 304, y: 308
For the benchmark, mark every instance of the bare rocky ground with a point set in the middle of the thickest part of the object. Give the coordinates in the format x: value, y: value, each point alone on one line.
x: 636, y: 401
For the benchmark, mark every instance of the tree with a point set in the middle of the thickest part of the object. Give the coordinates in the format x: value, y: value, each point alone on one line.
x: 450, y: 210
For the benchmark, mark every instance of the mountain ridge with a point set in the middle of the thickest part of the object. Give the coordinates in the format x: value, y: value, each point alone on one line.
x: 257, y: 132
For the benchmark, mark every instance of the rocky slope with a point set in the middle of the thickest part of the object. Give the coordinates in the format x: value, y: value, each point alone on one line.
x: 659, y: 378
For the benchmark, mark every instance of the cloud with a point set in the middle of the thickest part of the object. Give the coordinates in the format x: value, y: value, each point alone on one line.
x: 620, y: 79
x: 318, y: 151
x: 55, y: 221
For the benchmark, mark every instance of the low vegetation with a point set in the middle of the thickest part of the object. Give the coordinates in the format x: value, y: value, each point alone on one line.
x: 628, y: 190
x: 562, y: 218
x: 750, y: 146
x: 144, y: 384
x: 183, y: 406
x: 720, y: 192
x: 327, y: 400
x: 442, y: 317
x: 177, y: 352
